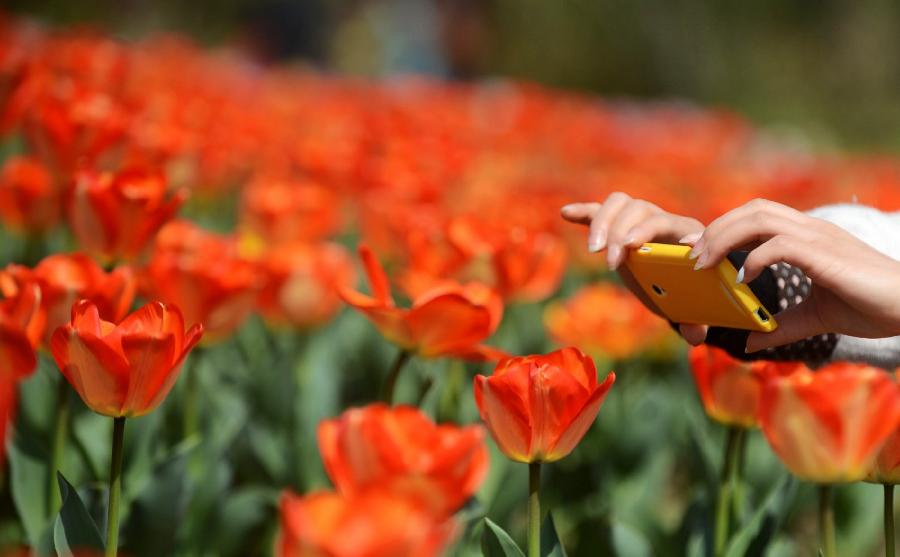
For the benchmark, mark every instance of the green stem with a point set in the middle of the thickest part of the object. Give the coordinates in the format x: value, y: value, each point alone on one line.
x: 60, y: 431
x: 727, y: 480
x: 534, y: 509
x: 889, y: 520
x: 826, y: 521
x: 115, y: 487
x: 391, y: 382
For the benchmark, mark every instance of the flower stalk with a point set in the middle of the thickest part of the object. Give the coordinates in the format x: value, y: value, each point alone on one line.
x: 115, y: 487
x: 889, y: 520
x: 727, y: 485
x: 534, y: 509
x: 826, y: 521
x: 390, y: 383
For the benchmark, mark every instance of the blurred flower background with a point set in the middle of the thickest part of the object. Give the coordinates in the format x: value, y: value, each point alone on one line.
x: 307, y: 231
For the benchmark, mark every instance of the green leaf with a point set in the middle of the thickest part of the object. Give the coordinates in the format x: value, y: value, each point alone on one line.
x: 755, y: 535
x: 29, y: 472
x: 158, y: 510
x: 628, y: 541
x: 239, y: 515
x: 550, y: 544
x: 495, y: 542
x: 74, y: 529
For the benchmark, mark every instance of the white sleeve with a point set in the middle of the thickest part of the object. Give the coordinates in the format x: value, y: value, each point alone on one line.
x: 881, y: 231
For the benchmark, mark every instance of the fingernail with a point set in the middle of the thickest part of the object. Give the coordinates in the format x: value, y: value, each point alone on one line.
x: 690, y: 238
x: 701, y: 262
x: 569, y: 207
x: 612, y: 258
x: 628, y: 241
x: 595, y: 243
x: 740, y: 276
x: 695, y: 251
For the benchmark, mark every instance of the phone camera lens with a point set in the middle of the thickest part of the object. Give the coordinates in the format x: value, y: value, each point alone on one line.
x: 763, y: 316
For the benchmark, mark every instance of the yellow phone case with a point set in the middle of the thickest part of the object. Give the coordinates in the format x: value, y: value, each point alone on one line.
x: 706, y: 297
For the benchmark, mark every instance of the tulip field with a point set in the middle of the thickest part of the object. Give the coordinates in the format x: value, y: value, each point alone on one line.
x: 261, y: 310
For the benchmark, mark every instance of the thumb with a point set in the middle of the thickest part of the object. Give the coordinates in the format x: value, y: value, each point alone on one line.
x: 796, y: 323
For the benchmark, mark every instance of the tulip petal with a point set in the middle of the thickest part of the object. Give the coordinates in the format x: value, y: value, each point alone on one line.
x: 378, y: 280
x: 447, y: 324
x: 16, y: 353
x: 583, y: 420
x: 556, y: 397
x: 505, y: 412
x: 98, y: 371
x: 152, y: 375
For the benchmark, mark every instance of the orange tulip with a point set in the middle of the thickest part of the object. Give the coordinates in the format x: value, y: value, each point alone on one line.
x: 376, y: 523
x: 539, y: 407
x: 730, y: 388
x: 300, y: 283
x: 401, y: 448
x: 448, y: 320
x: 202, y: 274
x: 67, y: 278
x: 22, y: 318
x: 284, y: 211
x: 521, y: 264
x: 28, y: 199
x: 125, y: 369
x: 887, y: 464
x: 114, y: 216
x: 21, y: 326
x: 828, y: 426
x: 606, y: 321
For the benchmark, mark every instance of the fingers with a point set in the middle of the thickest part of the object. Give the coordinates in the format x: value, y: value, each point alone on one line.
x: 602, y: 219
x: 796, y: 323
x: 752, y: 230
x: 782, y: 248
x: 749, y: 224
x: 580, y: 213
x: 662, y: 227
x: 695, y: 335
x: 634, y: 212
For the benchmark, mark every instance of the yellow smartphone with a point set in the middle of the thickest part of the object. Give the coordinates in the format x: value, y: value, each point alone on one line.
x: 705, y: 297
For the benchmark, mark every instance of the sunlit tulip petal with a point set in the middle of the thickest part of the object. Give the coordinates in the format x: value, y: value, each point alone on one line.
x: 123, y: 370
x: 538, y: 408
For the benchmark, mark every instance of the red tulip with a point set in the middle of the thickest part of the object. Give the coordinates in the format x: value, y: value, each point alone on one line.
x: 447, y: 320
x: 402, y: 449
x: 300, y: 283
x: 606, y: 321
x: 887, y: 465
x: 67, y: 278
x: 730, y: 388
x: 202, y: 274
x: 520, y: 264
x: 376, y: 523
x: 828, y: 426
x: 277, y: 211
x: 125, y: 369
x: 29, y: 200
x: 21, y: 312
x: 114, y: 216
x: 539, y: 407
x: 21, y: 326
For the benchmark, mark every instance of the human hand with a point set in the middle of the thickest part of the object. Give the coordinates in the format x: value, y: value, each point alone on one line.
x: 855, y: 288
x: 621, y: 223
